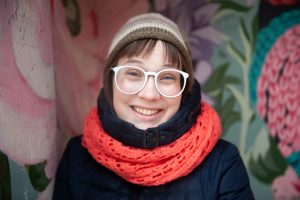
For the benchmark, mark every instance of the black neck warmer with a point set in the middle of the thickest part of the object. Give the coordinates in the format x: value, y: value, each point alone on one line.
x: 163, y: 134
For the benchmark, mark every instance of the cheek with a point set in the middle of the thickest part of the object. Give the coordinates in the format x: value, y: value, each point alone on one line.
x: 119, y: 101
x: 117, y: 97
x: 174, y: 105
x: 117, y: 94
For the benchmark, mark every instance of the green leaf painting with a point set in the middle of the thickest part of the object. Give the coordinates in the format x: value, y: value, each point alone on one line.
x: 216, y: 88
x: 266, y: 162
x: 5, y: 183
x: 229, y: 87
x: 37, y: 176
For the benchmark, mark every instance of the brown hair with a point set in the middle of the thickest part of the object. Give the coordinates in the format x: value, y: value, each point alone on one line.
x: 145, y: 47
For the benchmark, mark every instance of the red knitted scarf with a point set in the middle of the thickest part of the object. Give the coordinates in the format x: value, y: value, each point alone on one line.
x: 161, y: 164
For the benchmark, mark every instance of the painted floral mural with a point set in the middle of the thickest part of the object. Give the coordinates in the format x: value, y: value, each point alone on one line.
x: 246, y: 59
x: 27, y: 104
x: 276, y: 71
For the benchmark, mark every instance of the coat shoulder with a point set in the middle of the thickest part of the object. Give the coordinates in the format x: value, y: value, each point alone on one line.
x: 225, y: 148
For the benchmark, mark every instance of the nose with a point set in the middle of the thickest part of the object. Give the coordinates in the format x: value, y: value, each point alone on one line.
x: 149, y: 92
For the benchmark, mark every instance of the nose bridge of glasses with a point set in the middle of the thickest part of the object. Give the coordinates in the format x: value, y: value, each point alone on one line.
x: 149, y: 74
x: 154, y: 74
x: 147, y: 77
x: 152, y: 84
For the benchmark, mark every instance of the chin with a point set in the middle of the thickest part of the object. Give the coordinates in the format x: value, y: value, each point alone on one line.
x: 144, y: 127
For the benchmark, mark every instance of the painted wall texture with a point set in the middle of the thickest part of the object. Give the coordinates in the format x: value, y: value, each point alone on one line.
x: 246, y: 55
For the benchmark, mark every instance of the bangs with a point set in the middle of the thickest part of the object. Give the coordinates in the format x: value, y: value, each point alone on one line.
x: 146, y: 46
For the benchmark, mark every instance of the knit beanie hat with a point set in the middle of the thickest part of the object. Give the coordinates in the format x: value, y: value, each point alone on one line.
x: 151, y: 26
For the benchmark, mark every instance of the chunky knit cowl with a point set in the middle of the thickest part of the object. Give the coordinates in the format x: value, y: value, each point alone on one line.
x: 157, y: 166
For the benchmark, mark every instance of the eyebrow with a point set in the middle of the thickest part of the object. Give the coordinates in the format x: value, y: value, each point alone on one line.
x: 137, y: 61
x: 133, y: 60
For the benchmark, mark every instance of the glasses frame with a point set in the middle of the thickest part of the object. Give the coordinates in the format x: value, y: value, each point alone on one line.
x: 147, y: 74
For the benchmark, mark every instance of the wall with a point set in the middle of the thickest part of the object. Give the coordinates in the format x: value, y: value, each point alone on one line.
x: 245, y: 54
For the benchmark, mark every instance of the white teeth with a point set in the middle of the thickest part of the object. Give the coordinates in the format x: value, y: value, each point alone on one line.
x: 145, y: 111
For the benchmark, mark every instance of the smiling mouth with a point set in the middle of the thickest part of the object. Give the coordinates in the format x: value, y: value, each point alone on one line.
x: 144, y: 111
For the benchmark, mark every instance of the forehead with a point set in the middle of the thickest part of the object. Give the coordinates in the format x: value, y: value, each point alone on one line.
x: 155, y: 60
x: 151, y: 49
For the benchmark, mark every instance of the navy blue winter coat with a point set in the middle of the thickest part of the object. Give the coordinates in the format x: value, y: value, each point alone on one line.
x: 221, y: 175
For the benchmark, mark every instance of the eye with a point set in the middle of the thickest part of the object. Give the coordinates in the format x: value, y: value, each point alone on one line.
x: 167, y: 77
x: 134, y: 74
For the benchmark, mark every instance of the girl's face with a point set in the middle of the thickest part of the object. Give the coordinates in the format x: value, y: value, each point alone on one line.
x: 146, y: 108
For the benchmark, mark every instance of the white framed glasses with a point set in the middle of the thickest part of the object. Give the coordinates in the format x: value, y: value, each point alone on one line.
x: 168, y: 82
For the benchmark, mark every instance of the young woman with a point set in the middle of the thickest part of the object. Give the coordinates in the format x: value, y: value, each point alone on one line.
x: 150, y: 136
